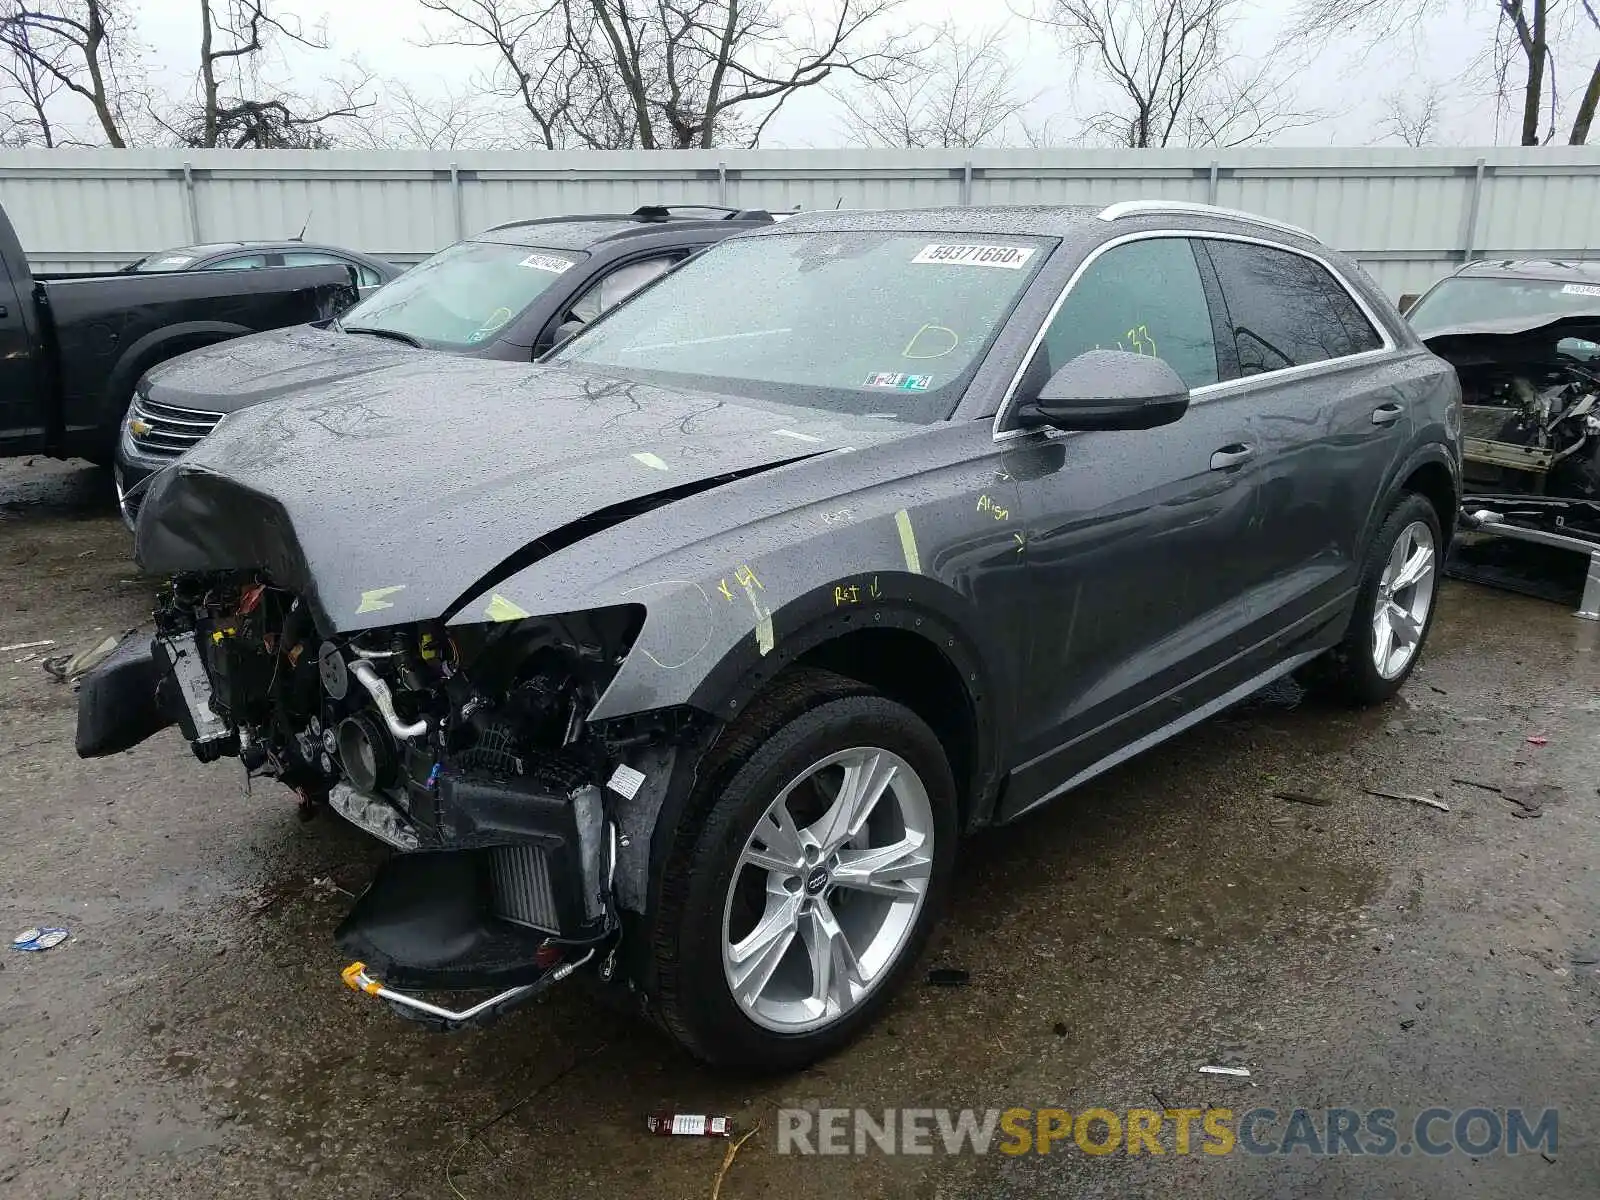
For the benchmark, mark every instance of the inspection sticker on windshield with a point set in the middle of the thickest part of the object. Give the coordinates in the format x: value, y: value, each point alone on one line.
x: 1013, y: 258
x: 895, y: 379
x: 546, y: 262
x: 1580, y: 289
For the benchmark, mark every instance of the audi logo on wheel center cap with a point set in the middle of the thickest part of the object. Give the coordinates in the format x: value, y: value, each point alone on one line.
x: 817, y: 880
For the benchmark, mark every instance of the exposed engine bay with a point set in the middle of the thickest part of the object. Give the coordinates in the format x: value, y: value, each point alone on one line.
x: 471, y: 742
x: 1530, y: 422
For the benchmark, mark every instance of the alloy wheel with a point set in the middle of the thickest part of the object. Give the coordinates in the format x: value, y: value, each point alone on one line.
x: 1405, y: 594
x: 827, y: 890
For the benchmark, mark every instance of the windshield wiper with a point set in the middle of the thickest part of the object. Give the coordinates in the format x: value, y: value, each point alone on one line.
x: 392, y: 334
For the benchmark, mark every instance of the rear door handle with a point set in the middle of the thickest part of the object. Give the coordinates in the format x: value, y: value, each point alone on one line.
x: 1386, y: 414
x: 1232, y: 456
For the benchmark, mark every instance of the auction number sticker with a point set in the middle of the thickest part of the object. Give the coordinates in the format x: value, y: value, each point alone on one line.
x: 1580, y: 289
x: 1013, y: 258
x: 546, y: 262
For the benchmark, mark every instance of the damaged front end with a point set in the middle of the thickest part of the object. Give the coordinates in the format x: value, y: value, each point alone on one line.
x: 467, y: 749
x: 1530, y: 443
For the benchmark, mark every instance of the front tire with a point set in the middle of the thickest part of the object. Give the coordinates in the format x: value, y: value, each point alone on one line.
x: 1395, y: 605
x: 807, y: 873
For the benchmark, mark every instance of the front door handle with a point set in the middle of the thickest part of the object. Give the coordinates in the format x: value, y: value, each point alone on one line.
x: 1232, y: 456
x: 1386, y: 414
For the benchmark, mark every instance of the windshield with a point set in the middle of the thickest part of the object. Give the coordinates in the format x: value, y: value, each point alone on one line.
x: 1464, y: 301
x: 463, y: 295
x: 864, y: 323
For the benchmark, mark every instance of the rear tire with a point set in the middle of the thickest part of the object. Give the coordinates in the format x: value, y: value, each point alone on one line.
x: 1351, y: 673
x: 765, y: 964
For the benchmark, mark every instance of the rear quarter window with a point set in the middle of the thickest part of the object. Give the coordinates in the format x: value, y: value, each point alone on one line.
x: 1286, y: 310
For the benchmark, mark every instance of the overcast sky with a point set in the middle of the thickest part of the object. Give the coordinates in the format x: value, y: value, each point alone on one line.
x: 1349, y: 84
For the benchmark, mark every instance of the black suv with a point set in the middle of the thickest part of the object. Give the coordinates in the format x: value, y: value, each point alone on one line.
x: 510, y: 292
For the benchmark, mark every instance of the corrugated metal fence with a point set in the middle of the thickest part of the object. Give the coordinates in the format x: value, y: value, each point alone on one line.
x: 1409, y: 215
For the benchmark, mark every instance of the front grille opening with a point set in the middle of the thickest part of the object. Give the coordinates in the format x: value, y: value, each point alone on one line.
x: 171, y: 429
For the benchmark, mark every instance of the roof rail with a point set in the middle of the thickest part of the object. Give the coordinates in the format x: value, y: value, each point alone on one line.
x: 1142, y: 208
x: 660, y: 212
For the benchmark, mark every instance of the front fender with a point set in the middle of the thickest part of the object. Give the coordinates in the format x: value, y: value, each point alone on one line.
x: 727, y: 609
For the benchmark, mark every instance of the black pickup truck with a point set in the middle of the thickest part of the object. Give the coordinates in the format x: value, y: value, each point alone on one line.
x: 71, y: 348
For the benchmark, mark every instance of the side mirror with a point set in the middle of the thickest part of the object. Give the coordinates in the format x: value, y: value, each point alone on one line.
x: 1406, y: 301
x: 1109, y: 389
x: 568, y: 329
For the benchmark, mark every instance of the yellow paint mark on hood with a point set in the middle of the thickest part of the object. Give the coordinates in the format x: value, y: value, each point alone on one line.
x: 501, y: 609
x: 375, y: 601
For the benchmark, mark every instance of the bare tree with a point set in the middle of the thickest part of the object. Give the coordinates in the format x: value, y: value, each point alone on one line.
x: 959, y: 92
x: 659, y: 74
x: 446, y: 120
x: 71, y: 45
x: 1526, y: 35
x: 1583, y: 120
x: 534, y: 55
x: 29, y: 78
x: 237, y: 106
x: 1175, y: 74
x: 1414, y: 119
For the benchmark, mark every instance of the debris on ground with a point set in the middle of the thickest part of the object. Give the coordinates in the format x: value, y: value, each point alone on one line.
x: 505, y: 1112
x: 1532, y: 798
x: 1536, y: 739
x: 1240, y: 1072
x: 27, y: 645
x: 67, y: 667
x: 1428, y: 800
x: 727, y: 1160
x: 40, y: 939
x: 1314, y: 799
x: 948, y: 977
x: 1488, y: 787
x: 688, y: 1125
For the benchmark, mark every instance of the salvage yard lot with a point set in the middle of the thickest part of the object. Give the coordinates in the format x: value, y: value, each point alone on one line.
x: 193, y: 1037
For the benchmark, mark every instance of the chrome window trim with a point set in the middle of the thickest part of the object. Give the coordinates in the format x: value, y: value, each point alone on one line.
x: 1208, y: 390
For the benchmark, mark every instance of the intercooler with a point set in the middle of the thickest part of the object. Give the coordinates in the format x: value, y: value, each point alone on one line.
x: 522, y: 888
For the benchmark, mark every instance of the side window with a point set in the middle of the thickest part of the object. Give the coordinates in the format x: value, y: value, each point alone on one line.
x: 239, y: 262
x: 611, y: 290
x: 365, y: 276
x: 1143, y: 296
x: 1286, y: 310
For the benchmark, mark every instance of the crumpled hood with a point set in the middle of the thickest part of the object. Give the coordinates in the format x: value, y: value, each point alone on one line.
x: 269, y: 366
x: 1512, y: 336
x: 386, y: 498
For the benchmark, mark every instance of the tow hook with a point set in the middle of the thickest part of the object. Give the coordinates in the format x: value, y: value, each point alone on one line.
x: 356, y: 979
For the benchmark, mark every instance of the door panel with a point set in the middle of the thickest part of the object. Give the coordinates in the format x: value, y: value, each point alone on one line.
x: 1138, y: 550
x: 1139, y: 543
x: 1328, y: 434
x: 23, y: 397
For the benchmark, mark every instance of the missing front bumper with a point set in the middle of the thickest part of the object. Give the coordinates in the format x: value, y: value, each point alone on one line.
x: 504, y: 873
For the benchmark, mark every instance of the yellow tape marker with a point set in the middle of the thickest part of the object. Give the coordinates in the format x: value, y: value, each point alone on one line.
x: 650, y: 460
x: 764, y: 635
x: 353, y: 976
x: 501, y: 609
x: 908, y: 542
x: 374, y: 600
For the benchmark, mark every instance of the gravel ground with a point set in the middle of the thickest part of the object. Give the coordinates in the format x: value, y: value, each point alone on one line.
x: 193, y: 1037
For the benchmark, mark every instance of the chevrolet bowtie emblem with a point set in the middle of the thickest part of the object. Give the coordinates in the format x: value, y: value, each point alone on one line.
x: 138, y: 428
